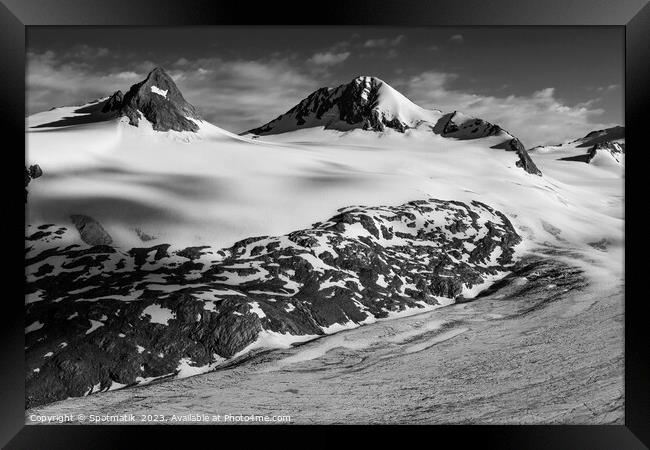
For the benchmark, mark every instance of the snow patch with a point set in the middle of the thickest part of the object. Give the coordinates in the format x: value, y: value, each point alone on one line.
x: 158, y: 314
x: 161, y: 92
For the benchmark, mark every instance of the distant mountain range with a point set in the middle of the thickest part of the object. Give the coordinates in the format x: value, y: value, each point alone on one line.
x: 600, y: 146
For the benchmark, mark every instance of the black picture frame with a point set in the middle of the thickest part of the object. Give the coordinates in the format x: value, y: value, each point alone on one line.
x: 633, y: 15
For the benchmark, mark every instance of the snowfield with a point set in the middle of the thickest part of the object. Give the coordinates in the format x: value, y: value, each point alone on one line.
x: 214, y: 188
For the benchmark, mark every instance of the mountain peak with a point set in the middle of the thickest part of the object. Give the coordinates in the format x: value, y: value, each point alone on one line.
x: 365, y: 102
x: 160, y: 101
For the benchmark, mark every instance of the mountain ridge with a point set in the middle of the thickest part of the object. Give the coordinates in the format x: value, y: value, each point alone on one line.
x: 371, y: 104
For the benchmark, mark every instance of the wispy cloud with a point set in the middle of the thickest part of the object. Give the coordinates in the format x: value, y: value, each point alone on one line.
x: 328, y: 58
x: 234, y: 94
x: 608, y: 88
x: 538, y: 118
x: 457, y: 38
x: 384, y: 42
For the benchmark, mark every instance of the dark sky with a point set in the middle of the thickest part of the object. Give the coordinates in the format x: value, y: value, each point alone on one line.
x: 545, y: 84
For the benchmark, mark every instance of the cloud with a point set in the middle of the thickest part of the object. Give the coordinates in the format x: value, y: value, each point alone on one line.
x: 608, y: 88
x: 384, y: 42
x: 329, y: 58
x: 538, y: 118
x: 239, y: 94
x: 457, y: 38
x: 56, y: 80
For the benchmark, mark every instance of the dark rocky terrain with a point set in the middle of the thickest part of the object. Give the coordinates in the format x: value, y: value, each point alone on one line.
x: 33, y: 172
x: 99, y: 317
x: 544, y: 345
x: 601, y: 136
x: 168, y: 111
x: 459, y: 126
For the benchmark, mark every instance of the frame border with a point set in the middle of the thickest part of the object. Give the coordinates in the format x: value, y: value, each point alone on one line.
x: 632, y: 15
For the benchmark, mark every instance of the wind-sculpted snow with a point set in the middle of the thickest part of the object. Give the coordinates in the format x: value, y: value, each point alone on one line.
x: 365, y: 102
x: 101, y: 318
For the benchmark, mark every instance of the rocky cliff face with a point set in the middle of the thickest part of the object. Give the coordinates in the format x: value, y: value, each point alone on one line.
x: 362, y: 103
x: 156, y: 99
x: 101, y: 318
x: 160, y: 101
x: 459, y: 126
x: 524, y: 161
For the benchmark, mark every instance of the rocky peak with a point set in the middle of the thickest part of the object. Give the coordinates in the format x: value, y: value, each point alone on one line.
x: 161, y: 102
x: 460, y: 126
x: 365, y: 102
x: 114, y: 102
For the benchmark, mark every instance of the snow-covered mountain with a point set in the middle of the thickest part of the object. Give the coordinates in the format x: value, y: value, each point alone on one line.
x: 366, y: 102
x: 161, y: 249
x: 599, y: 148
x: 371, y: 104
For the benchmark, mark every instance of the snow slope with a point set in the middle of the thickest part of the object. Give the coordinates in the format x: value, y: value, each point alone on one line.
x: 215, y: 188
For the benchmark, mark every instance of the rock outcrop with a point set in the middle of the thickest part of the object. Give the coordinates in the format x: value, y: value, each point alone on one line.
x: 33, y: 172
x: 101, y: 318
x: 524, y: 161
x: 160, y: 101
x: 459, y: 126
x: 91, y: 231
x: 156, y: 99
x: 366, y: 102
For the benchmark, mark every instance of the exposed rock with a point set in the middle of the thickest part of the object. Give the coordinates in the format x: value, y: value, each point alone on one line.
x: 33, y: 172
x: 160, y: 101
x: 91, y: 231
x: 353, y: 105
x: 614, y: 149
x: 601, y: 136
x: 128, y: 316
x: 114, y: 102
x: 144, y: 237
x: 525, y: 161
x: 156, y: 98
x: 460, y: 126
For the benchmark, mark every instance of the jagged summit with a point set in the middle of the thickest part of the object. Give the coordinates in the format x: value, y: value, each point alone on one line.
x: 365, y: 102
x: 156, y: 98
x: 160, y: 101
x: 370, y: 103
x: 616, y: 133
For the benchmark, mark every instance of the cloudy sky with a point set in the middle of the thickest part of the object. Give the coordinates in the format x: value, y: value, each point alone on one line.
x: 545, y: 85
